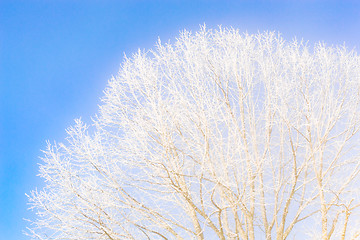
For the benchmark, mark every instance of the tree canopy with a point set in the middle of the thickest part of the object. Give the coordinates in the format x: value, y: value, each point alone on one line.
x: 219, y: 135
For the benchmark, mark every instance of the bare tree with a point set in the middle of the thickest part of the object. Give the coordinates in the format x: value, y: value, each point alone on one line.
x: 220, y: 135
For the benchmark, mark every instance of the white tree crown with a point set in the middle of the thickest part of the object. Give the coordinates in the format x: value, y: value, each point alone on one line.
x: 219, y: 135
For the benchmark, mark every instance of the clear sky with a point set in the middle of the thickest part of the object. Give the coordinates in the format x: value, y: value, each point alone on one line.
x: 57, y: 55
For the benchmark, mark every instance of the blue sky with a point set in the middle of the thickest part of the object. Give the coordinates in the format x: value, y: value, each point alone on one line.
x: 57, y: 55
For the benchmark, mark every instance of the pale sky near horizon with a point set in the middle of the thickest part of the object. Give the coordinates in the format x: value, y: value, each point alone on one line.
x: 56, y: 57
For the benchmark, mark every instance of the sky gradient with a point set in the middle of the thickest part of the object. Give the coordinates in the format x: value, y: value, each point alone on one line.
x: 56, y: 57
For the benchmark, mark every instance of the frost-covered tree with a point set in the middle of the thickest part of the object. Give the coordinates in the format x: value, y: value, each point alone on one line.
x: 219, y: 135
